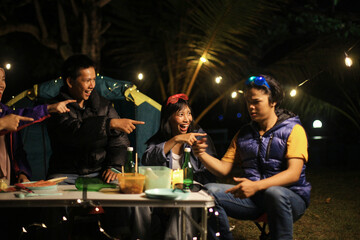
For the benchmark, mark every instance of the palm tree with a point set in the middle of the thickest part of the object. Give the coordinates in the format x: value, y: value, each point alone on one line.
x: 172, y: 37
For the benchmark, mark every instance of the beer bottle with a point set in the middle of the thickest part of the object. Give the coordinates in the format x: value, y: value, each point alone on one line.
x: 130, y: 163
x: 187, y: 169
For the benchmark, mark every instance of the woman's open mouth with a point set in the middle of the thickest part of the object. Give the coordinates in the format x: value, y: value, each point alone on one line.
x: 183, y: 128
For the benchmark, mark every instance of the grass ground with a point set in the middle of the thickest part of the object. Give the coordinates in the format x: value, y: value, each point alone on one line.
x: 334, y: 211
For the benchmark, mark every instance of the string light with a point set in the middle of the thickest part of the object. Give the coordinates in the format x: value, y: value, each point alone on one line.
x: 348, y: 60
x: 105, y: 233
x: 293, y: 93
x: 234, y: 94
x: 37, y: 226
x: 8, y: 66
x: 140, y: 76
x: 218, y: 79
x: 317, y: 124
x: 203, y: 59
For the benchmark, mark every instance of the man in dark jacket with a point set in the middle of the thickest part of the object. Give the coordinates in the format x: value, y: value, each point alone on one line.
x: 90, y: 139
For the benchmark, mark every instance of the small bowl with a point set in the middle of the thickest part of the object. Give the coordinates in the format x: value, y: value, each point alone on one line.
x: 131, y: 183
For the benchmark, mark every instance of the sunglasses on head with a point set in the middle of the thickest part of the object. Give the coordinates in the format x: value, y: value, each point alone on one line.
x: 257, y: 80
x: 175, y: 98
x: 192, y: 187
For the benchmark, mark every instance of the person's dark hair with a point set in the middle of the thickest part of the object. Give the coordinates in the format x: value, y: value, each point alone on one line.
x: 167, y: 110
x: 275, y: 92
x: 74, y: 64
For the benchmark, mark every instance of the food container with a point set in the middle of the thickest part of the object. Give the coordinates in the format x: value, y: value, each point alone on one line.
x: 156, y: 176
x: 131, y: 182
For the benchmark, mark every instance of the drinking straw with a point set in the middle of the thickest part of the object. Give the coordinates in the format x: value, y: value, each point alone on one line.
x: 115, y: 170
x: 136, y: 162
x: 122, y: 170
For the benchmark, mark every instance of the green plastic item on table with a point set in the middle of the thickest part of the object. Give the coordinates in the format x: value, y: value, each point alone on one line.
x: 93, y: 184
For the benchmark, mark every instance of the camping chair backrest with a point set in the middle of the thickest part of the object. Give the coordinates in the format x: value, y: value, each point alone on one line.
x: 127, y: 100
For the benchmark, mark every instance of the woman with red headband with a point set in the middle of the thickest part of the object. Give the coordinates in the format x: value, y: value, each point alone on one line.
x: 177, y: 131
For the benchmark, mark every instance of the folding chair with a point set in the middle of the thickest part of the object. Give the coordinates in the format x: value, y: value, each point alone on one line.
x: 262, y: 223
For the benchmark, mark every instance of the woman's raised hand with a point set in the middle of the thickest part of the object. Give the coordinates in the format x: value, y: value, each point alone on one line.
x: 189, y: 138
x: 200, y: 147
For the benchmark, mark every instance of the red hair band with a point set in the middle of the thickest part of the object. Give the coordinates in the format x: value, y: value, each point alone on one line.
x: 175, y: 98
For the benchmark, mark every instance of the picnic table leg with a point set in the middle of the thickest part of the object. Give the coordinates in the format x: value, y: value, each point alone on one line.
x: 204, y: 223
x: 183, y: 223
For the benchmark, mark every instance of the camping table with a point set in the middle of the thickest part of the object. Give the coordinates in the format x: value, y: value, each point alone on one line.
x: 71, y: 197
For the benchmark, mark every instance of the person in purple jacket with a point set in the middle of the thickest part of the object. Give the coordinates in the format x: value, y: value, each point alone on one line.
x: 271, y: 151
x: 13, y: 163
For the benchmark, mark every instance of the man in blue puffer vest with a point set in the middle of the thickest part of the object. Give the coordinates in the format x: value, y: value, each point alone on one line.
x: 272, y: 152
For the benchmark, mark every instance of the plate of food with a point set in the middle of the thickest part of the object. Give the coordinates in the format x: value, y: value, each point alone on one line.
x: 40, y: 185
x: 164, y: 193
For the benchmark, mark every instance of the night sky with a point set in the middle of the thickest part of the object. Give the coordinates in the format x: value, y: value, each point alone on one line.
x: 33, y: 63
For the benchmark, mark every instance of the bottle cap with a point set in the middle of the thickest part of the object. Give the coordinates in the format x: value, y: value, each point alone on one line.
x: 130, y: 149
x: 187, y: 149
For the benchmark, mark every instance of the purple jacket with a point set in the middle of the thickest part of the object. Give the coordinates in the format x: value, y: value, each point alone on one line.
x: 13, y: 140
x: 263, y: 156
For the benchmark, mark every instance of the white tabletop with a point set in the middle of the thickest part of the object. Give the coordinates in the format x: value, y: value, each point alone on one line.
x: 106, y: 197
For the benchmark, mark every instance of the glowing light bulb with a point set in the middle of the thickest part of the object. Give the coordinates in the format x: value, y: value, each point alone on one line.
x: 218, y: 79
x: 317, y: 124
x: 293, y: 93
x: 140, y: 76
x: 348, y: 61
x: 234, y: 94
x: 8, y: 66
x: 203, y: 59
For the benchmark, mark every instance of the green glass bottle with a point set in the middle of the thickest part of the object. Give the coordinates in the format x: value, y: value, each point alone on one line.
x: 92, y: 184
x: 130, y: 163
x: 187, y: 169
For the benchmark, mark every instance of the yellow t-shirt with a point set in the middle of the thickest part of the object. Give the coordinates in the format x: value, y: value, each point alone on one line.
x: 296, y: 146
